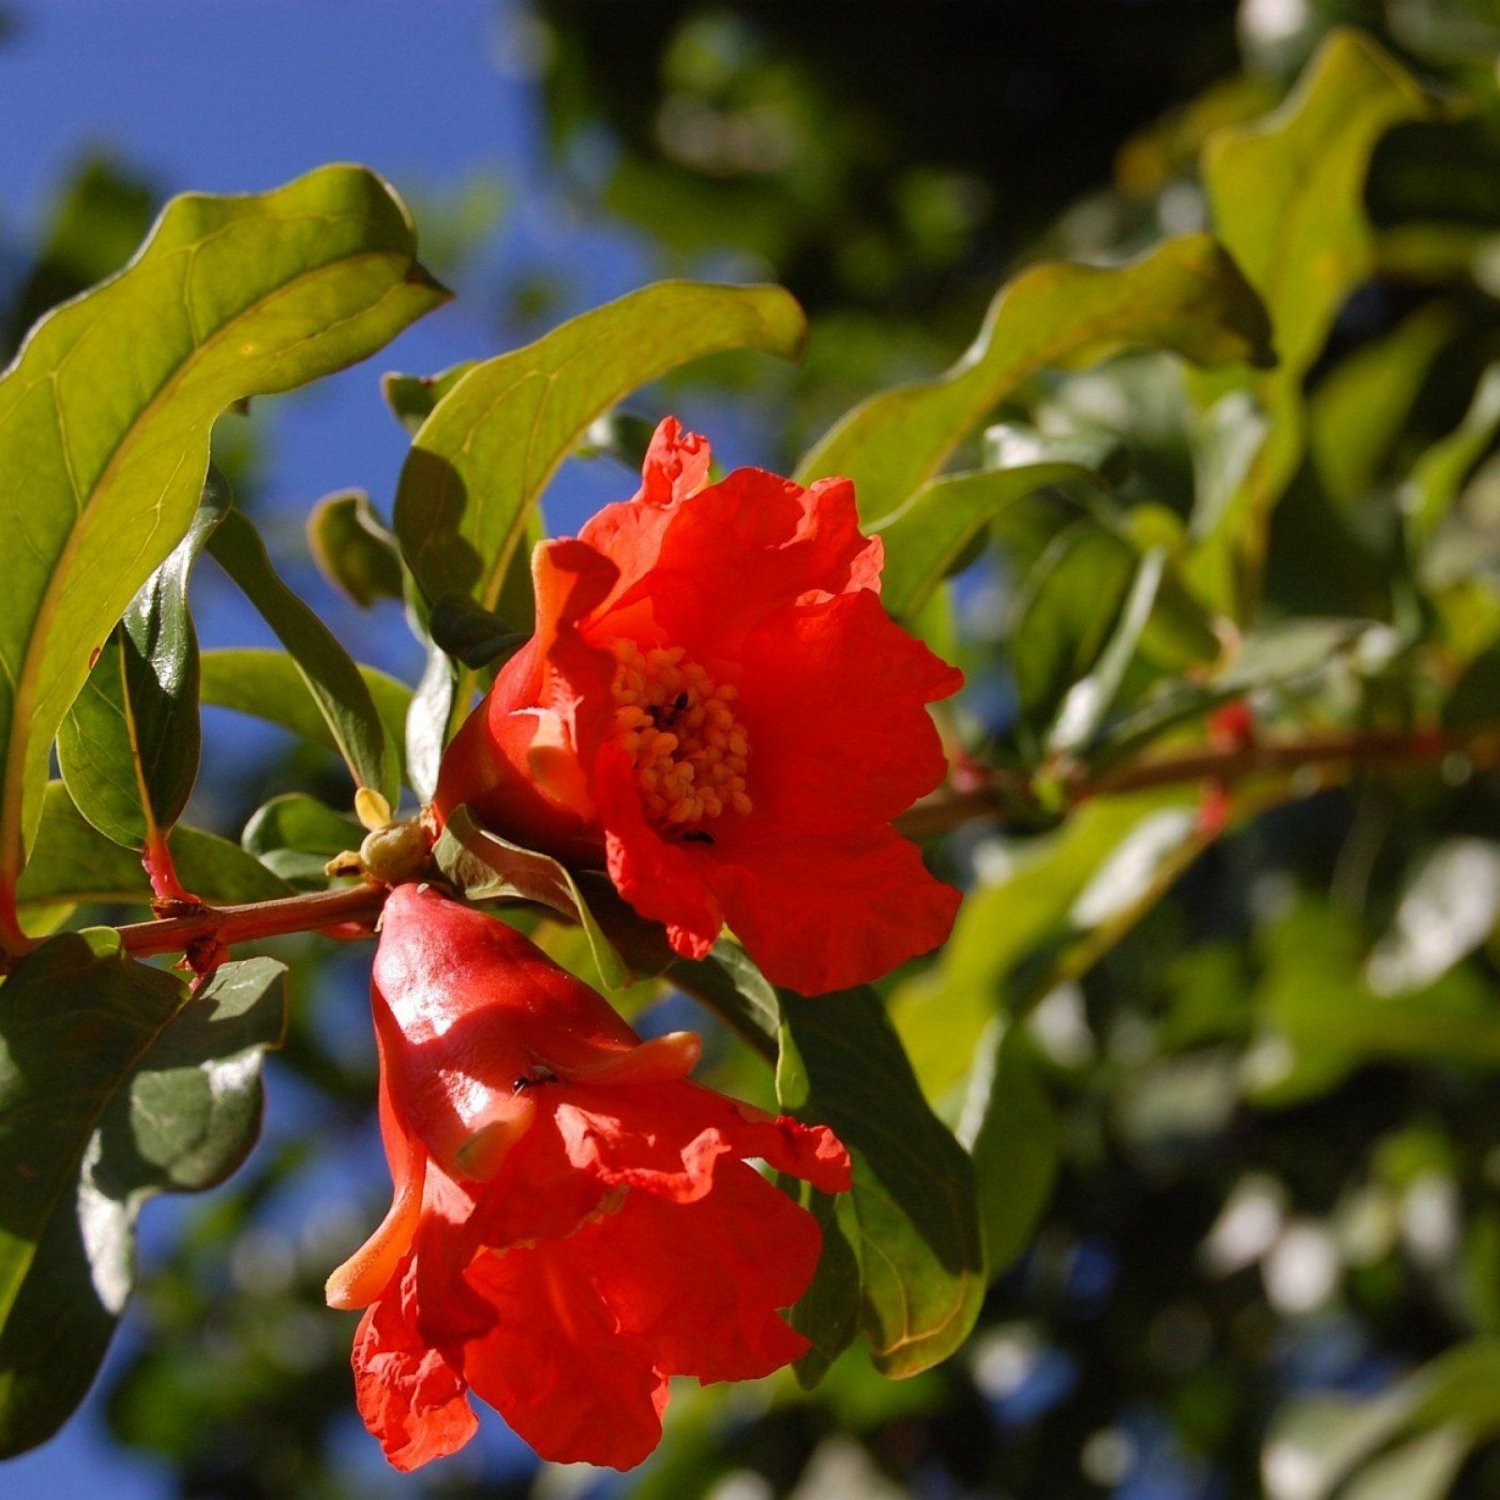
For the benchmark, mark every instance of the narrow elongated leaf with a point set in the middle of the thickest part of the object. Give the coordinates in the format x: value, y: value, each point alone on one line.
x: 327, y: 670
x: 1288, y: 200
x: 1186, y: 296
x: 115, y: 1086
x: 353, y: 548
x: 928, y: 533
x: 920, y: 1249
x: 267, y: 684
x: 73, y: 864
x: 1090, y: 699
x: 295, y: 836
x: 229, y: 298
x: 480, y: 461
x: 128, y: 749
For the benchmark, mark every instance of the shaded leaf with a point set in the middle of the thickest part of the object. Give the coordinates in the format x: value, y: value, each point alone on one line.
x: 327, y: 671
x: 353, y: 548
x: 475, y: 636
x: 73, y: 864
x: 115, y: 1085
x: 412, y: 398
x: 1186, y: 296
x: 230, y: 297
x: 1439, y: 474
x: 295, y: 836
x: 128, y: 749
x: 916, y: 1226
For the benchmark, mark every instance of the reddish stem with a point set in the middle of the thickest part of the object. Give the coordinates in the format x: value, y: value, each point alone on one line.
x: 225, y: 925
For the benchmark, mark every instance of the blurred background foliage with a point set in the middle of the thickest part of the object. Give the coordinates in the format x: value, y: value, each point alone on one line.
x: 1251, y: 1155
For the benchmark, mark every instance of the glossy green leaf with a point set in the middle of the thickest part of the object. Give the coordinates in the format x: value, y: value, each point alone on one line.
x: 1011, y: 1130
x: 128, y: 749
x: 475, y: 636
x: 73, y: 864
x: 1186, y: 296
x: 926, y: 535
x: 429, y: 716
x: 326, y: 668
x: 1287, y: 194
x: 230, y: 297
x: 481, y: 460
x: 915, y: 1221
x: 353, y: 548
x: 485, y: 867
x: 115, y: 1085
x: 1046, y: 908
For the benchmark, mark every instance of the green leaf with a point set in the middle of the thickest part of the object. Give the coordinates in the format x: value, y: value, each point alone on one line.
x: 115, y: 1085
x: 1439, y: 474
x: 1011, y: 1131
x: 1046, y: 909
x: 327, y: 670
x: 412, y: 398
x: 916, y: 1225
x: 928, y: 534
x: 296, y: 835
x: 1358, y: 411
x: 486, y: 867
x: 128, y: 749
x: 1423, y: 1469
x: 1089, y: 699
x: 431, y: 711
x: 73, y: 864
x: 106, y: 413
x: 354, y: 549
x: 1287, y: 194
x: 481, y: 460
x: 475, y: 636
x: 265, y: 683
x: 1186, y: 296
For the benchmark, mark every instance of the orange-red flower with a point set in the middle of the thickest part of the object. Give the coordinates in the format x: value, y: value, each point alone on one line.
x: 716, y: 703
x: 573, y: 1222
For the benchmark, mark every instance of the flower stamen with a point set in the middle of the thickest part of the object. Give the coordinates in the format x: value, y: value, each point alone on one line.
x: 689, y: 750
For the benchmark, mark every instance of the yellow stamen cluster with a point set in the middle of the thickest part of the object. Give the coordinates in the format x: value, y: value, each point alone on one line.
x: 690, y: 751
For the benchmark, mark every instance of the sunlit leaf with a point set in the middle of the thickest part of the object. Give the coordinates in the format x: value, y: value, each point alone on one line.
x: 105, y: 418
x: 1287, y: 194
x: 482, y: 458
x: 1186, y: 296
x: 267, y: 684
x: 115, y: 1085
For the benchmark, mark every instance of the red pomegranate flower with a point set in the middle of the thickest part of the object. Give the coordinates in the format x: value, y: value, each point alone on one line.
x: 716, y: 703
x: 573, y: 1222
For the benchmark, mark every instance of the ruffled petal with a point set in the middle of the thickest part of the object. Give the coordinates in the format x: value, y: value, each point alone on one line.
x: 700, y: 1284
x: 553, y: 1364
x: 661, y: 879
x: 412, y: 1397
x: 671, y: 1139
x: 823, y: 914
x: 834, y: 696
